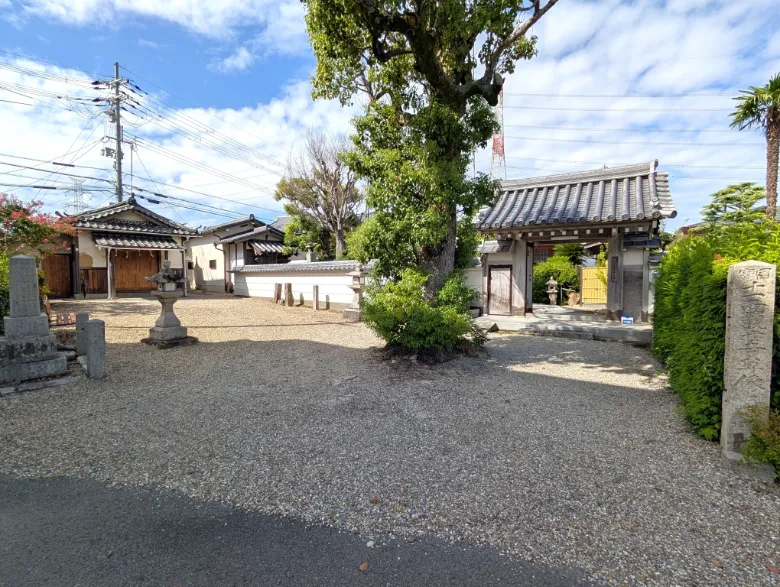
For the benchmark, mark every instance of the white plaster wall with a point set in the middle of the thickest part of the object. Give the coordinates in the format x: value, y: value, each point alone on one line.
x: 175, y: 257
x: 87, y: 247
x: 333, y: 284
x: 200, y: 251
x: 633, y: 257
x: 474, y: 279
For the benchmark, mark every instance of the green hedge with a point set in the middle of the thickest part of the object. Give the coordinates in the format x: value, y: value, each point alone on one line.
x: 689, y: 322
x: 564, y: 272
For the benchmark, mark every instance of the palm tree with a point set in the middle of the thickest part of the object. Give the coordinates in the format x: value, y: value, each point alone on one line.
x: 760, y: 108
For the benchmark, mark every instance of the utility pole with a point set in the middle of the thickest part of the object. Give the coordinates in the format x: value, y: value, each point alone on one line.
x: 117, y: 120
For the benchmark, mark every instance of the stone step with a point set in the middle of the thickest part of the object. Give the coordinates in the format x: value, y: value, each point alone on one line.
x: 566, y: 314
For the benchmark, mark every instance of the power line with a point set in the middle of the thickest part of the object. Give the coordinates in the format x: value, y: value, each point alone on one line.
x: 568, y: 108
x: 52, y: 161
x: 48, y: 187
x: 52, y: 172
x: 210, y: 114
x: 721, y: 130
x: 53, y: 64
x: 690, y: 95
x: 636, y: 142
x: 618, y: 164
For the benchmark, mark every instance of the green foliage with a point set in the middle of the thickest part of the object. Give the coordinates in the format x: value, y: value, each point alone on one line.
x: 734, y: 204
x: 601, y: 263
x: 757, y: 105
x: 400, y: 313
x: 574, y: 252
x: 25, y: 229
x: 301, y: 234
x: 764, y: 443
x: 426, y: 112
x: 689, y: 323
x: 468, y: 240
x: 561, y: 270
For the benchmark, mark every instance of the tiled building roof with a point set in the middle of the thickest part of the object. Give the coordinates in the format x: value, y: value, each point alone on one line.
x: 616, y: 194
x: 315, y: 266
x: 99, y: 219
x: 231, y: 223
x: 250, y: 234
x: 261, y: 247
x: 132, y: 241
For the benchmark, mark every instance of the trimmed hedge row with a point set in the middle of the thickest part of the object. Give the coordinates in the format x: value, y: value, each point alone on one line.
x: 689, y: 322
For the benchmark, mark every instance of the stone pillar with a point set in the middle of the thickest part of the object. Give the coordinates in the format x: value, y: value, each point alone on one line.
x: 518, y: 285
x: 315, y: 297
x: 277, y: 292
x: 747, y: 373
x: 81, y: 336
x: 95, y: 332
x: 288, y: 295
x: 529, y: 277
x: 28, y: 350
x: 615, y: 278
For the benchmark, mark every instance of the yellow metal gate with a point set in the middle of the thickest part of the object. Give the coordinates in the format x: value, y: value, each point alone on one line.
x: 594, y: 285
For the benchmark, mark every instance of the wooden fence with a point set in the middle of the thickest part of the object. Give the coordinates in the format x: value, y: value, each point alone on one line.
x: 593, y: 286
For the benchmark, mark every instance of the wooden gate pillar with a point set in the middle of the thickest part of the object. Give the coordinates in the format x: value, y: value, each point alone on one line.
x: 520, y: 291
x: 615, y: 278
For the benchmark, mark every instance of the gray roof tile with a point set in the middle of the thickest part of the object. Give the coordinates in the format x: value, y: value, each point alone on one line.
x: 133, y: 241
x: 616, y: 194
x: 345, y: 266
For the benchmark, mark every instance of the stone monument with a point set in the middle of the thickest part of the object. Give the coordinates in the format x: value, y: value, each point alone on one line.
x: 28, y: 350
x: 354, y: 313
x: 747, y: 369
x: 167, y: 330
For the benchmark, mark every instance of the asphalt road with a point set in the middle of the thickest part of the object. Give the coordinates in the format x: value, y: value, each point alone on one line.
x: 68, y: 532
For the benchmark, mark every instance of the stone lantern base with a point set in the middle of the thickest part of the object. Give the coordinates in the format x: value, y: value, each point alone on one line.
x: 167, y: 331
x: 352, y: 315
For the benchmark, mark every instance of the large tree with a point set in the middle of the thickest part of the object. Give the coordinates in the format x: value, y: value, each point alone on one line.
x: 320, y: 188
x: 759, y: 108
x: 431, y: 71
x: 734, y: 204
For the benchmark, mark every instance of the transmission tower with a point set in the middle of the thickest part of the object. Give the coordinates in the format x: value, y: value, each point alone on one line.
x: 78, y: 198
x: 497, y: 158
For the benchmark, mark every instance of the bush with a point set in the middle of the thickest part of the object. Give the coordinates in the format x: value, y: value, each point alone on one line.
x: 399, y: 313
x: 764, y: 443
x: 689, y: 323
x: 561, y: 269
x: 5, y: 305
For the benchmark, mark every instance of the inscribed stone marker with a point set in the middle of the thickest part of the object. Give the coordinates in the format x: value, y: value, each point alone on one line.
x: 23, y: 277
x: 747, y: 373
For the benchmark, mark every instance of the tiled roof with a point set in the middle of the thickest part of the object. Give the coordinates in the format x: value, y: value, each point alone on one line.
x: 126, y: 226
x: 132, y: 241
x: 315, y: 266
x: 503, y: 246
x: 231, y: 223
x: 249, y: 234
x: 261, y: 247
x: 84, y: 219
x: 616, y: 194
x: 281, y: 222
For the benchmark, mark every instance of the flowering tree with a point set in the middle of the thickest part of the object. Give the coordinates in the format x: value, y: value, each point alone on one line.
x: 25, y: 229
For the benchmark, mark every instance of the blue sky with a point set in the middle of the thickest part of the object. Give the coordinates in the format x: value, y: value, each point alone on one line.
x: 615, y: 82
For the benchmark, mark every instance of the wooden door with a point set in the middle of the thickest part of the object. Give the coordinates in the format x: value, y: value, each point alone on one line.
x: 56, y: 269
x: 500, y: 290
x: 130, y: 268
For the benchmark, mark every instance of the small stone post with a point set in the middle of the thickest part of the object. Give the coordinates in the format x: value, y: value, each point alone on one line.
x: 750, y: 306
x: 277, y: 292
x: 289, y: 300
x: 315, y: 297
x: 95, y: 331
x: 81, y: 336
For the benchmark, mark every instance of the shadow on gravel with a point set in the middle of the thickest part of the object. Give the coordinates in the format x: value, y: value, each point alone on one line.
x: 73, y: 532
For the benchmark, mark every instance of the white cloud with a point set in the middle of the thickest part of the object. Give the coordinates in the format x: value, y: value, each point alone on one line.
x: 205, y: 17
x: 149, y: 44
x: 273, y: 129
x: 238, y: 61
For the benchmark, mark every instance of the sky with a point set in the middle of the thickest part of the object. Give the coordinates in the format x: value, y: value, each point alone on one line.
x: 222, y: 97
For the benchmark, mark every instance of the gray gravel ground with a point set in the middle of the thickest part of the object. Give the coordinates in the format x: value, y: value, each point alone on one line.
x: 564, y: 452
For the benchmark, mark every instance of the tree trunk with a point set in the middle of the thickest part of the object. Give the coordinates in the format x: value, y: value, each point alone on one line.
x: 772, y: 147
x: 341, y: 243
x: 439, y: 263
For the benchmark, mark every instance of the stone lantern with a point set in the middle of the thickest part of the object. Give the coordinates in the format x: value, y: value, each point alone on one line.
x: 552, y: 291
x: 358, y: 285
x: 167, y: 330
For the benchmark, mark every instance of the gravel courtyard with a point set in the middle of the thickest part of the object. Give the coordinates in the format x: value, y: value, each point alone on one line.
x: 565, y: 452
